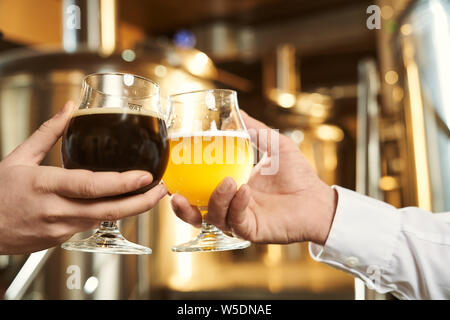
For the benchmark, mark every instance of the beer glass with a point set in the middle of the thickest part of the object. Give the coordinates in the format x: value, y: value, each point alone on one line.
x: 117, y: 127
x: 208, y: 142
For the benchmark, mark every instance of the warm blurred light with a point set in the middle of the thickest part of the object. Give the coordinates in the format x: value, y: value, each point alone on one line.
x: 397, y: 94
x: 314, y: 104
x: 160, y: 71
x: 128, y: 79
x: 199, y: 64
x: 128, y: 55
x: 329, y: 133
x: 388, y: 183
x: 184, y: 39
x: 183, y: 261
x: 406, y: 29
x: 286, y: 100
x: 391, y: 77
x: 108, y: 26
x: 387, y: 12
x: 330, y: 161
x: 296, y: 135
x: 418, y: 123
x: 273, y: 255
x: 91, y: 285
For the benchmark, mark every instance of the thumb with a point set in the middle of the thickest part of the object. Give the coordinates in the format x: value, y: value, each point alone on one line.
x: 33, y: 150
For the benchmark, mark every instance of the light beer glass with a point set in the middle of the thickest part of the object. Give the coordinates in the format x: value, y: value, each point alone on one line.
x: 118, y: 126
x: 208, y: 142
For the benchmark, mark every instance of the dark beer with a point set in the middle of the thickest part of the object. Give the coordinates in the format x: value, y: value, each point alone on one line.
x: 109, y: 139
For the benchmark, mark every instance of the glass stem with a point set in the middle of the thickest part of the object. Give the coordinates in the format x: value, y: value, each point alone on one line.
x: 108, y: 226
x: 206, y: 227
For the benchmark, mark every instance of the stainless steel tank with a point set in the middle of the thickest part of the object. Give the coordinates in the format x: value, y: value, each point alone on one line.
x: 424, y: 45
x: 34, y: 84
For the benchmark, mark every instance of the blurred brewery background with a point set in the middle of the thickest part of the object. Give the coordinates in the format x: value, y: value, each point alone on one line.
x: 368, y: 107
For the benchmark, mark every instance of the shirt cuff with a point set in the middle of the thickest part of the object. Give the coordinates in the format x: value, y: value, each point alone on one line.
x: 362, y: 237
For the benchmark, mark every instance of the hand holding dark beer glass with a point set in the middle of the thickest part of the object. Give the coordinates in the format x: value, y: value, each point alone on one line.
x: 43, y: 206
x: 117, y: 127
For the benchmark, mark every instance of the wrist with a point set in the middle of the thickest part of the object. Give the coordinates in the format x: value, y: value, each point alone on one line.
x: 323, y: 217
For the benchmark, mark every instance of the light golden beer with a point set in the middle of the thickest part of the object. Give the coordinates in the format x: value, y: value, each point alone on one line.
x: 199, y: 162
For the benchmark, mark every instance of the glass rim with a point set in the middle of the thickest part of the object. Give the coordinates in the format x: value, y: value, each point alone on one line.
x: 230, y: 91
x: 113, y: 73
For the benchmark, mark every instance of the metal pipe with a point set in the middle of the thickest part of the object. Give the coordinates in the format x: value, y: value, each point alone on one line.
x: 27, y: 274
x: 89, y: 25
x: 368, y: 155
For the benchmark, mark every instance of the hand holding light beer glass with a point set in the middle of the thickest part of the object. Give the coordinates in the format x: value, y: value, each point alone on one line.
x: 208, y: 142
x: 117, y: 127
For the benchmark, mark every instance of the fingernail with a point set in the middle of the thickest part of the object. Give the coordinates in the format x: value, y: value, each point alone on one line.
x: 145, y: 180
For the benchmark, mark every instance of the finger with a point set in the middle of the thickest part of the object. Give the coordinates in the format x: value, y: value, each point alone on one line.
x: 219, y: 203
x: 117, y: 208
x: 34, y: 149
x: 238, y: 216
x: 85, y: 184
x: 185, y: 211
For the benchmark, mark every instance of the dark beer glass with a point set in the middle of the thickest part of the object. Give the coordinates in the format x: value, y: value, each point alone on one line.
x: 117, y: 127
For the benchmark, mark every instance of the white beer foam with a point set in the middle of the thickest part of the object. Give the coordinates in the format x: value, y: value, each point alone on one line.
x: 213, y: 133
x: 106, y: 110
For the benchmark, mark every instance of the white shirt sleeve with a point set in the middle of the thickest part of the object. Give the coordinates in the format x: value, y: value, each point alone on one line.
x: 403, y: 251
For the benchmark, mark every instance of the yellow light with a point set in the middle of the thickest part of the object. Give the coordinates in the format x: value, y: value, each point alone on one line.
x: 329, y: 133
x: 108, y: 26
x: 388, y: 183
x: 406, y: 29
x: 419, y: 136
x: 199, y: 64
x: 183, y: 262
x: 397, y: 94
x: 387, y: 12
x: 286, y: 100
x: 273, y: 255
x: 391, y: 77
x: 160, y: 71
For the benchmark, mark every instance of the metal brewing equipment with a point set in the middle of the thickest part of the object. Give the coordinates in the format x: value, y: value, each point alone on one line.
x: 405, y: 151
x: 34, y: 84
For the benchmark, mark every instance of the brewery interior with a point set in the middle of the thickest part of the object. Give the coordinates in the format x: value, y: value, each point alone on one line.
x: 363, y: 98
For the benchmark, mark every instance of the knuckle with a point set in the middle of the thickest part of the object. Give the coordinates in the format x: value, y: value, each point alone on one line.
x: 88, y: 188
x: 51, y: 218
x: 45, y: 128
x: 48, y: 212
x: 123, y: 186
x: 40, y: 184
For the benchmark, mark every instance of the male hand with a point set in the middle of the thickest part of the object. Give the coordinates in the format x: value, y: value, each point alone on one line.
x: 292, y: 205
x: 43, y: 206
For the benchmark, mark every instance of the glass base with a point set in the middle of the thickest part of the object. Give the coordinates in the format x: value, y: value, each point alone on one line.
x: 106, y: 240
x: 212, y: 239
